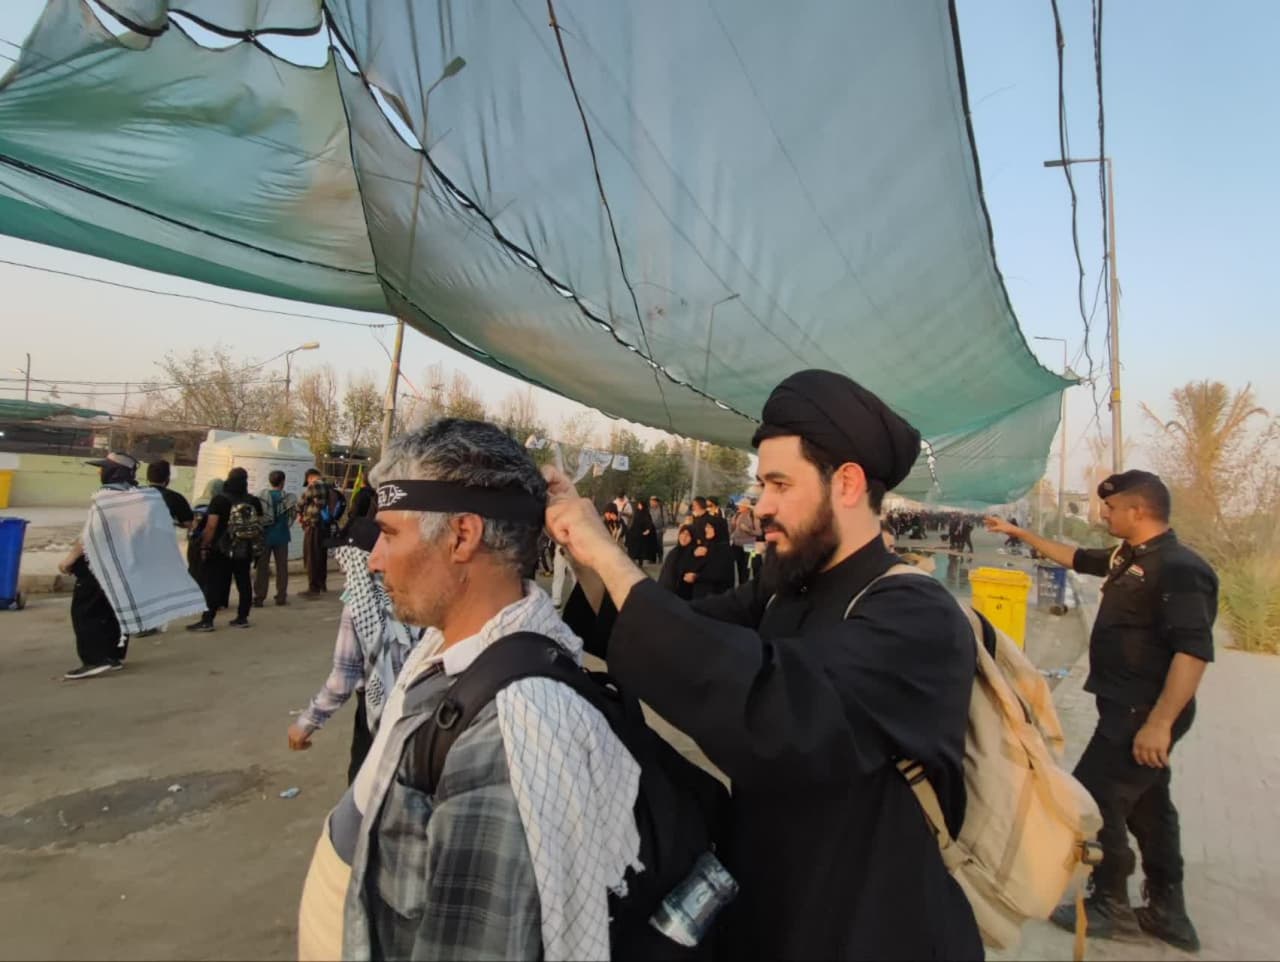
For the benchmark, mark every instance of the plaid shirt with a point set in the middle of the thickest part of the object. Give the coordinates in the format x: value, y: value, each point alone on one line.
x: 346, y: 677
x: 447, y: 876
x: 314, y: 499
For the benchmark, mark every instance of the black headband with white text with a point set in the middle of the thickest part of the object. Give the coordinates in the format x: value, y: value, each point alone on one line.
x: 450, y: 497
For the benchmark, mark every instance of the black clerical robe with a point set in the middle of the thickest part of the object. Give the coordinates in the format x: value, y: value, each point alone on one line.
x: 806, y: 712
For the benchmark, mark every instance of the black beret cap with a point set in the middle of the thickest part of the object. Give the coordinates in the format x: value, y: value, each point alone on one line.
x: 845, y: 420
x: 1119, y: 483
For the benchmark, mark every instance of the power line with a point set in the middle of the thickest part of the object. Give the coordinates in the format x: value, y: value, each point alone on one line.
x: 1108, y: 254
x: 55, y: 387
x: 192, y: 297
x: 1064, y: 148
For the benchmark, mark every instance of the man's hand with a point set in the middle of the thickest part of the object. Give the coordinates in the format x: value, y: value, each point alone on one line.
x: 65, y: 567
x: 999, y: 525
x: 574, y: 522
x: 299, y: 738
x: 1151, y: 744
x: 690, y: 577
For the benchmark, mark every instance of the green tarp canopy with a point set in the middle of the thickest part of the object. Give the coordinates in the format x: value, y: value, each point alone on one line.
x: 767, y: 187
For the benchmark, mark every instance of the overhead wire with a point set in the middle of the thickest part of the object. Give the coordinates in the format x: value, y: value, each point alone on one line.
x: 1064, y: 149
x: 1108, y: 253
x: 194, y: 297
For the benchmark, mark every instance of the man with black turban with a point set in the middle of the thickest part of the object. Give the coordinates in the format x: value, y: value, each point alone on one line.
x: 806, y: 685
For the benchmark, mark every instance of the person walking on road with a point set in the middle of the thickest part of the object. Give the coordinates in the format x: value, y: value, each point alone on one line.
x: 231, y: 540
x: 100, y: 645
x: 1151, y: 642
x: 743, y: 533
x: 278, y: 508
x: 661, y: 521
x: 313, y: 508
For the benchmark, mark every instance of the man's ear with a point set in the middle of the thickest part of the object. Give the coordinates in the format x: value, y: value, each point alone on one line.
x: 466, y: 537
x: 849, y: 485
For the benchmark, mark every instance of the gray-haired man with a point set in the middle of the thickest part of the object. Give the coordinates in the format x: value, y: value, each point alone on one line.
x: 511, y: 854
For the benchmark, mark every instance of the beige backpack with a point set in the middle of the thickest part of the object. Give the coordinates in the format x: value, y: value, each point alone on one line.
x: 1029, y: 826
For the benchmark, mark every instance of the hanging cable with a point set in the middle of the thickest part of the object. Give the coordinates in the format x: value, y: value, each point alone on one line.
x: 1064, y: 149
x: 192, y: 297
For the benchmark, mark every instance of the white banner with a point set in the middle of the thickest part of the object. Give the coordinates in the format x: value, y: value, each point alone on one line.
x: 621, y: 462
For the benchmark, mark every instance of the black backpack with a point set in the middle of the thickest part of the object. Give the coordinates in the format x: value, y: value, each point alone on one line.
x: 679, y: 808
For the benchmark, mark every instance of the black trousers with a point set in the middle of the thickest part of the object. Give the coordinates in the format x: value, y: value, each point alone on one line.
x: 361, y: 738
x: 740, y: 562
x: 219, y: 571
x: 1132, y: 798
x: 94, y: 622
x: 316, y: 557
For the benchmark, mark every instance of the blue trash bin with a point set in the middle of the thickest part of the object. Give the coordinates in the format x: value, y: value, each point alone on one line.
x: 13, y: 531
x: 1051, y: 588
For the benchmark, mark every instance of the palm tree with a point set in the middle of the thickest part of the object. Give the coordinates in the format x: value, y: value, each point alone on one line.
x: 1208, y: 429
x: 1206, y: 439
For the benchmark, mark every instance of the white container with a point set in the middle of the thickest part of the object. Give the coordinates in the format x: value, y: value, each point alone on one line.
x: 259, y: 454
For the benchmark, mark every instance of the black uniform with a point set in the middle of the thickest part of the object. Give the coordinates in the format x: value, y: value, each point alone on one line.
x: 1159, y: 599
x: 806, y: 711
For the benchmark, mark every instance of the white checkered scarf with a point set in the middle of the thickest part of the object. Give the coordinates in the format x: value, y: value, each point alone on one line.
x: 575, y: 785
x: 376, y: 630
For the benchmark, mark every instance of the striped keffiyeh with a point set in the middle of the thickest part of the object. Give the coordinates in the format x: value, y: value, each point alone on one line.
x: 384, y: 642
x: 129, y: 544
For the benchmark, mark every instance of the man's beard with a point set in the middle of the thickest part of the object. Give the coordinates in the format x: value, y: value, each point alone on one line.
x: 811, y: 548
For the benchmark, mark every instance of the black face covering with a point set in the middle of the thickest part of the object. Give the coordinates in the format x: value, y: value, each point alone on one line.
x: 117, y: 474
x: 845, y: 420
x: 500, y: 504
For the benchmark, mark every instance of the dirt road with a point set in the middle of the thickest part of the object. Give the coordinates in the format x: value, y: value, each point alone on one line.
x: 99, y: 859
x: 211, y: 871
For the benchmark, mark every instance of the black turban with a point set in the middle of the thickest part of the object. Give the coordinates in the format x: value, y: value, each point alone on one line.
x: 844, y: 420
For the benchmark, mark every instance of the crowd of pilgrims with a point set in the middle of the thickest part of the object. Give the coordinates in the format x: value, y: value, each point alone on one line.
x: 955, y: 528
x: 714, y: 549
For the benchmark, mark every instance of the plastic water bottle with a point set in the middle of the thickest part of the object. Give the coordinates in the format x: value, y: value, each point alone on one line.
x: 686, y: 914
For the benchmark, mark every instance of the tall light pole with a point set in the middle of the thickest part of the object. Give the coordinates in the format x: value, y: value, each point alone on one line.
x: 1117, y: 435
x: 27, y: 374
x: 451, y: 69
x: 288, y: 370
x: 706, y: 370
x: 1062, y: 456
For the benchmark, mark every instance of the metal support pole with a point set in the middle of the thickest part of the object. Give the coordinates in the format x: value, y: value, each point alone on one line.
x: 1117, y: 434
x: 1062, y: 458
x: 389, y: 408
x: 27, y: 395
x: 697, y: 464
x: 706, y: 372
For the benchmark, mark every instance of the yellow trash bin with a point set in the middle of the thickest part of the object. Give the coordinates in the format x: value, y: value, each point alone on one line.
x: 6, y: 485
x: 1001, y: 595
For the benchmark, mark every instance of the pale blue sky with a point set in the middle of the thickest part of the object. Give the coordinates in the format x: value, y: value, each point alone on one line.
x: 1191, y: 93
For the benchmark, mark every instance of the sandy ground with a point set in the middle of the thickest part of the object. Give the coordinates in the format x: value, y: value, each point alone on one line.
x: 213, y: 870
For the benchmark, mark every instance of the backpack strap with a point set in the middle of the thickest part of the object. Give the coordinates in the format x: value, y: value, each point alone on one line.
x: 912, y: 770
x: 523, y: 654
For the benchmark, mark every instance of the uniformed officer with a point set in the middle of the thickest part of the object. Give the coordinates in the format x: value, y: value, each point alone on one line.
x: 1151, y: 642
